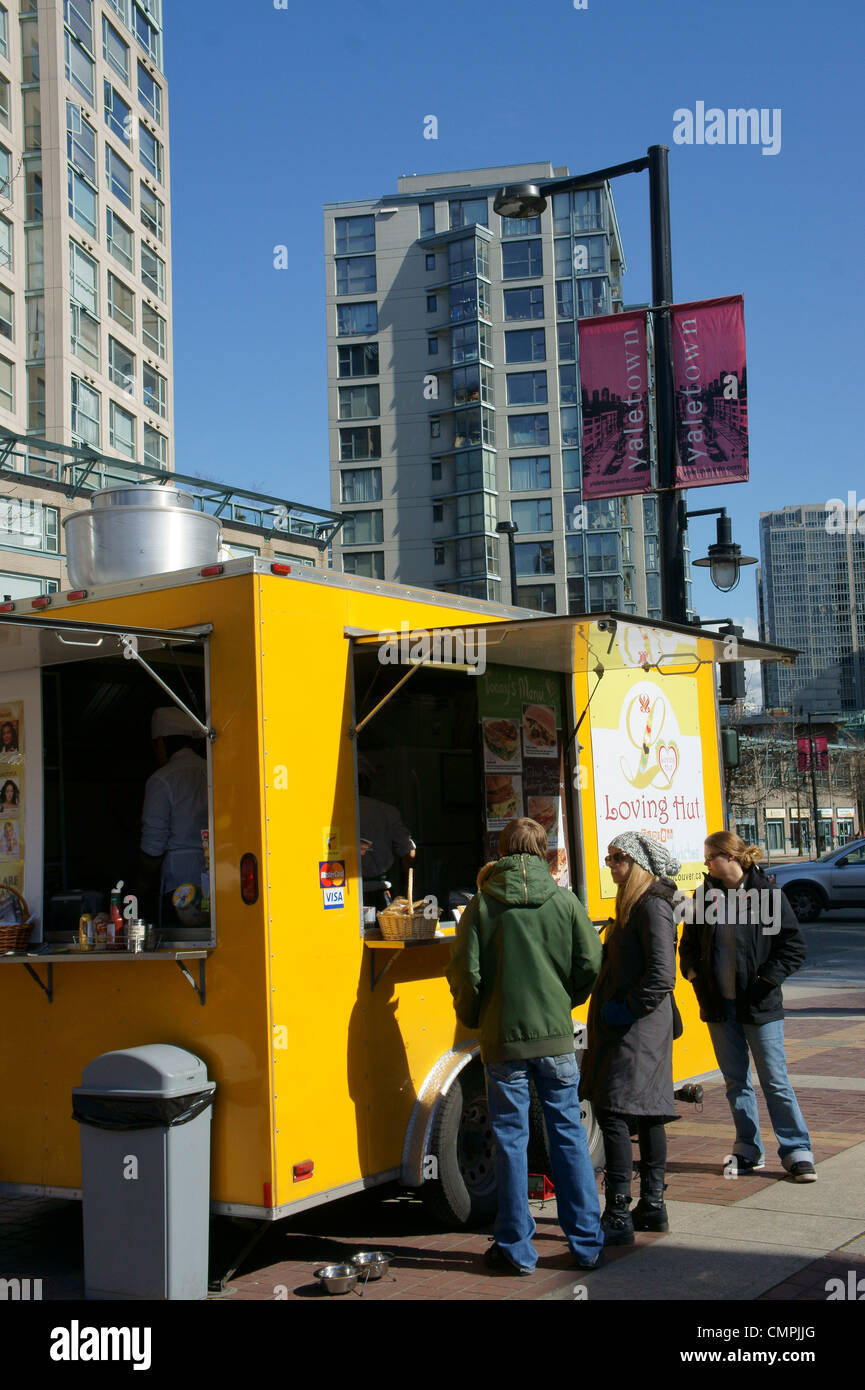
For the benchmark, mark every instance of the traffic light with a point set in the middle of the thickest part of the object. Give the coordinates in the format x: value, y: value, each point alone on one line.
x: 732, y: 672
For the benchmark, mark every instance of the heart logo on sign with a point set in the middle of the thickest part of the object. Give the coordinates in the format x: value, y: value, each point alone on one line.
x: 668, y: 760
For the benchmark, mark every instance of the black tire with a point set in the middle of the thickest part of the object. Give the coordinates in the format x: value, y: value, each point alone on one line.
x: 461, y: 1141
x: 539, y: 1149
x: 805, y: 902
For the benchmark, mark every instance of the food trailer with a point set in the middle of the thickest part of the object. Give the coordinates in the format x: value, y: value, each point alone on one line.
x: 338, y: 1060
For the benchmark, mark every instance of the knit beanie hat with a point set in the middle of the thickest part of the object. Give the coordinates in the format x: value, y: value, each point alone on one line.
x: 647, y: 853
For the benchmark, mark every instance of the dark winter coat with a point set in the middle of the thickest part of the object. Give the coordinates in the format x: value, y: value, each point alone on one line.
x: 630, y: 1069
x: 525, y: 955
x: 764, y: 958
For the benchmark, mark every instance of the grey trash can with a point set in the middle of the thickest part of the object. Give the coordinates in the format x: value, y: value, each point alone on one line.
x: 145, y: 1163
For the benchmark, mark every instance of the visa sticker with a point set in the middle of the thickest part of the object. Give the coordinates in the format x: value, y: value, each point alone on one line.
x: 333, y: 897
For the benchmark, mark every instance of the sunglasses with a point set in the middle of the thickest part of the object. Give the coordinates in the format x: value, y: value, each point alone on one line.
x: 616, y: 859
x: 710, y: 857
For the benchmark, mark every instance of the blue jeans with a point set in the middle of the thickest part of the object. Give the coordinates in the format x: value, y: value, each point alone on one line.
x: 731, y: 1041
x: 556, y: 1080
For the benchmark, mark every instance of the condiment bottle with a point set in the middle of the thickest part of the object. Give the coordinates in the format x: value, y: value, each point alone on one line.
x: 85, y: 932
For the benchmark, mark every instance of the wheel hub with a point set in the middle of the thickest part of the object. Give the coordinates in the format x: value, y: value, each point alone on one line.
x: 476, y: 1148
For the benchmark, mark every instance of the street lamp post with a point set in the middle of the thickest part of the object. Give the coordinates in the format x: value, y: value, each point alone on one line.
x: 725, y: 558
x: 509, y: 529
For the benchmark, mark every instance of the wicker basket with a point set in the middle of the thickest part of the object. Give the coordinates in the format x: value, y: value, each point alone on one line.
x: 405, y: 926
x: 14, y: 935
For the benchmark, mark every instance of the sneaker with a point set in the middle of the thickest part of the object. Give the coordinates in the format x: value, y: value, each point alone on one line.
x: 495, y: 1258
x: 747, y: 1165
x: 803, y: 1172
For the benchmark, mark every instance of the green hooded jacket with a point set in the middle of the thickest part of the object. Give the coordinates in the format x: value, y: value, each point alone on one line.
x: 525, y: 955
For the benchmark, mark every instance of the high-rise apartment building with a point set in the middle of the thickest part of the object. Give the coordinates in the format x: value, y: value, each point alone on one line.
x: 454, y: 395
x: 811, y: 595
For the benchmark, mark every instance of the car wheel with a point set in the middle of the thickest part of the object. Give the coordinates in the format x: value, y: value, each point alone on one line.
x: 804, y: 902
x: 464, y: 1191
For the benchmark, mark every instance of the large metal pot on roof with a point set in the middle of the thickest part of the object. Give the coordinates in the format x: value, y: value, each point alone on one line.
x: 131, y: 532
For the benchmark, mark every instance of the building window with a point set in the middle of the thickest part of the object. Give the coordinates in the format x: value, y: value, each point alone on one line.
x: 576, y: 596
x: 80, y: 142
x: 85, y: 412
x: 119, y: 177
x: 154, y: 330
x: 435, y: 427
x: 36, y: 400
x: 572, y: 472
x: 475, y: 512
x: 355, y: 275
x: 438, y: 512
x: 152, y: 212
x: 531, y: 473
x: 4, y: 100
x: 155, y: 391
x: 525, y: 345
x: 535, y: 515
x: 32, y: 106
x: 30, y: 48
x: 602, y: 553
x: 79, y: 68
x: 430, y: 262
x: 541, y: 597
x: 432, y: 346
x: 35, y: 255
x: 353, y: 235
x: 527, y: 388
x: 115, y: 51
x: 35, y: 327
x: 149, y: 94
x: 356, y: 318
x: 29, y: 525
x: 574, y: 555
x: 431, y: 304
x: 465, y: 211
x: 436, y: 470
x: 118, y: 115
x: 590, y: 255
x: 535, y: 557
x: 7, y: 314
x: 78, y: 16
x: 360, y: 360
x: 438, y: 554
x: 605, y: 595
x: 121, y: 303
x: 589, y: 206
x: 121, y: 430
x: 153, y: 271
x: 7, y: 384
x: 83, y: 279
x: 521, y: 226
x: 593, y: 297
x: 427, y: 213
x: 567, y: 342
x: 147, y: 33
x: 564, y: 299
x: 120, y: 241
x: 774, y: 834
x: 84, y: 336
x: 367, y: 563
x: 363, y: 528
x: 150, y: 151
x: 33, y: 190
x: 4, y: 31
x: 121, y: 366
x: 524, y: 304
x: 525, y: 430
x: 360, y: 443
x: 155, y: 448
x: 570, y: 425
x: 650, y: 514
x: 474, y: 426
x: 522, y: 260
x: 358, y: 402
x: 360, y: 485
x: 568, y: 387
x: 5, y: 172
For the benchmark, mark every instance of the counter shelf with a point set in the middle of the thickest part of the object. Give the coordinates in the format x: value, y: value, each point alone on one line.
x: 376, y: 942
x: 69, y: 957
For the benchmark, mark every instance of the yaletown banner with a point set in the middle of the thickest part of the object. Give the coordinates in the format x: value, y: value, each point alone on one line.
x: 614, y: 379
x: 711, y: 392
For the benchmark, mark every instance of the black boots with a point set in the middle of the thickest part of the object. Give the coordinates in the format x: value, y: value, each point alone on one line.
x: 616, y: 1222
x: 650, y: 1213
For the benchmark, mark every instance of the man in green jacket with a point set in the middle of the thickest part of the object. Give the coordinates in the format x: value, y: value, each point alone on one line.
x: 526, y: 954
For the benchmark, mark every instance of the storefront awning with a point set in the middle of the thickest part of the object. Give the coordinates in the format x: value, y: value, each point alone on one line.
x: 26, y: 643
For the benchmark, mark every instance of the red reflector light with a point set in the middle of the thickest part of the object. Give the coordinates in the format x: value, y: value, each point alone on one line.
x: 40, y: 602
x: 76, y: 595
x: 6, y: 607
x: 267, y: 1193
x: 302, y: 1170
x: 211, y: 569
x: 280, y: 569
x: 249, y: 878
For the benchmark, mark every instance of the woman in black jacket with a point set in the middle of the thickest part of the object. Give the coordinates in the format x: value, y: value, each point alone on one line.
x: 627, y: 1071
x: 741, y: 941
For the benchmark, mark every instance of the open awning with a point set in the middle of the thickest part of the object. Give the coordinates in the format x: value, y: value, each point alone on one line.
x: 26, y: 643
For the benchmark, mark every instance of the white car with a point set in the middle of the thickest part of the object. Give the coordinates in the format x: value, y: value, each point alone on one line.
x: 836, y: 879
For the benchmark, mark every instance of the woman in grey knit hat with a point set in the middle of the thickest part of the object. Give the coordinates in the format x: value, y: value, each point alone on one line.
x: 627, y: 1071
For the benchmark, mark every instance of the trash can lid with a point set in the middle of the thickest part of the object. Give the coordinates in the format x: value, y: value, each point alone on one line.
x: 155, y: 1070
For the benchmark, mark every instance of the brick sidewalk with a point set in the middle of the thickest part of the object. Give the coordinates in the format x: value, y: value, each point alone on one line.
x: 42, y: 1239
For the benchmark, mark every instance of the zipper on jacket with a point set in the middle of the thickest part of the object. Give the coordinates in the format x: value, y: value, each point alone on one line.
x: 525, y: 885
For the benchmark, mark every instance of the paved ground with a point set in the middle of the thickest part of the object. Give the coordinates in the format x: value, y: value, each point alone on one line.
x: 760, y: 1237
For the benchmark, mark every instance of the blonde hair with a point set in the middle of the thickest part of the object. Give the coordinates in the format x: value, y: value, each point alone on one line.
x: 633, y: 888
x: 725, y: 842
x: 523, y: 836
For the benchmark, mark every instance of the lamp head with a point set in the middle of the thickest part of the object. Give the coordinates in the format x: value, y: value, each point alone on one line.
x: 519, y: 200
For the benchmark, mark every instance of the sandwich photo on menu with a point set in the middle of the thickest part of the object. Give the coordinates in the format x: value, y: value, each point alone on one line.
x: 502, y: 739
x: 503, y: 799
x: 539, y: 728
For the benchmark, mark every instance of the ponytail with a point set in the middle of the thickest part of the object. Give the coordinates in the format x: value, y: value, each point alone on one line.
x: 725, y: 842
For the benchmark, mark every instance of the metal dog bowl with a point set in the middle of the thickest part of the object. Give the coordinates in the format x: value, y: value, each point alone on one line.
x: 372, y: 1263
x: 338, y: 1278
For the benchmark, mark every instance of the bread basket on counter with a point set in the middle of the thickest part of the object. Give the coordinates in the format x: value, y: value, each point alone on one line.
x: 407, y: 920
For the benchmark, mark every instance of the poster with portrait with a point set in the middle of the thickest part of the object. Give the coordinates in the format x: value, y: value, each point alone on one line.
x: 12, y: 795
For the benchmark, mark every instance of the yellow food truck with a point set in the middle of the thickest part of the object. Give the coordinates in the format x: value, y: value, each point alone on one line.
x: 337, y: 1057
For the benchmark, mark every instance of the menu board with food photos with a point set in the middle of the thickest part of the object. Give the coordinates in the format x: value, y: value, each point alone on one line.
x: 521, y: 720
x: 12, y: 795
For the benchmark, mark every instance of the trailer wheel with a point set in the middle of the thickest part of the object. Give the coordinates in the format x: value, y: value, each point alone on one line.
x: 462, y: 1143
x: 539, y: 1149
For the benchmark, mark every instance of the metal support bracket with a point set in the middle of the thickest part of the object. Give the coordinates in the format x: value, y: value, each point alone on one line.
x: 129, y: 643
x: 200, y: 988
x: 49, y: 988
x: 373, y: 977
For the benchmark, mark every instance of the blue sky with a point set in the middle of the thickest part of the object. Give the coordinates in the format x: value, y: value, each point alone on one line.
x: 275, y: 112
